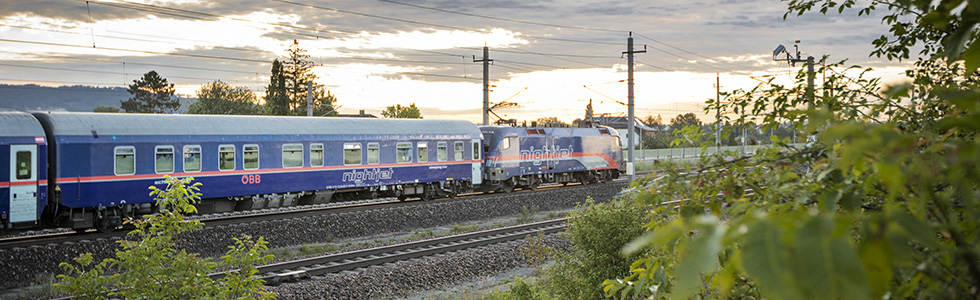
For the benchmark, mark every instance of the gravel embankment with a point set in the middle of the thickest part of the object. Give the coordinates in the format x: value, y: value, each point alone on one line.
x: 20, y: 267
x: 406, y: 278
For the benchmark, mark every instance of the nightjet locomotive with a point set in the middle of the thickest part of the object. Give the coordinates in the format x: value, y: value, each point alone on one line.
x: 85, y: 170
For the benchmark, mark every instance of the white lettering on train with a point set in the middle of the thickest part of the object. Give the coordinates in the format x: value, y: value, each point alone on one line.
x: 543, y: 154
x: 375, y: 174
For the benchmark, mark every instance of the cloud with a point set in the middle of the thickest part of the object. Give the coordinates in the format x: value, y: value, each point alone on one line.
x: 429, y: 60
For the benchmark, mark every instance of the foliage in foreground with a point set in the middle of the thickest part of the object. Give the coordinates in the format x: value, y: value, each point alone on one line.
x: 885, y: 203
x: 597, y: 231
x: 150, y: 266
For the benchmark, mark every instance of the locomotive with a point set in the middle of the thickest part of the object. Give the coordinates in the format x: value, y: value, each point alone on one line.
x: 85, y: 170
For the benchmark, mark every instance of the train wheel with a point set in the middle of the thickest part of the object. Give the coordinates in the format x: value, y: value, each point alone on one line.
x: 102, y: 225
x: 507, y: 187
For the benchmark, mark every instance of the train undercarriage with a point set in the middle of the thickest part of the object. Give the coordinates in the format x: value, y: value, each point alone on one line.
x: 109, y: 218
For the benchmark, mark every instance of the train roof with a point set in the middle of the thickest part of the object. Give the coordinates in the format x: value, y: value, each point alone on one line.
x: 548, y: 131
x: 14, y: 123
x: 72, y: 123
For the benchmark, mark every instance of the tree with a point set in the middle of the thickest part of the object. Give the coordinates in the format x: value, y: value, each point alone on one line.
x: 550, y: 122
x: 149, y: 265
x: 298, y: 70
x: 681, y: 121
x: 654, y: 122
x: 402, y: 112
x: 106, y: 109
x: 151, y: 94
x: 219, y: 98
x: 880, y: 204
x: 276, y: 97
x: 290, y: 84
x: 688, y: 128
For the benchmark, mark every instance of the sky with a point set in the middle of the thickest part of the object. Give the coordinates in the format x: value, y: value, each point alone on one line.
x: 549, y: 57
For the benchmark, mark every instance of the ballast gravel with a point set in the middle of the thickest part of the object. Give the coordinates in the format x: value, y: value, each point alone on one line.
x: 22, y: 266
x: 406, y: 278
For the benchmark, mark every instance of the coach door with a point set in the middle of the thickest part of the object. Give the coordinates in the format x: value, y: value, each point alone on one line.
x: 477, y: 160
x: 553, y: 155
x: 23, y: 183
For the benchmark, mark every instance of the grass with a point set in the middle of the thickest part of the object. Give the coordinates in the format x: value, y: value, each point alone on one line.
x: 43, y: 287
x: 527, y: 214
x: 463, y: 228
x: 306, y: 249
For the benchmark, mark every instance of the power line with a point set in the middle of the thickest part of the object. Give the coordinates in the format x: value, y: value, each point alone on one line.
x: 76, y: 82
x: 432, y: 24
x: 655, y: 67
x: 502, y: 19
x: 521, y: 51
x: 404, y: 73
x: 135, y: 63
x: 528, y: 64
x: 691, y: 53
x: 106, y: 72
x: 184, y: 13
x: 135, y: 51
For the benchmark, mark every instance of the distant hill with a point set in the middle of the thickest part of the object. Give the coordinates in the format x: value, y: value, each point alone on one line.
x: 64, y: 98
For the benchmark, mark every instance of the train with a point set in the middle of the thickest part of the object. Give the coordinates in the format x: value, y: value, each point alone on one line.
x: 92, y: 170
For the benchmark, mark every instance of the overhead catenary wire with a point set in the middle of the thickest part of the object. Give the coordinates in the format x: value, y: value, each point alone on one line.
x: 433, y: 24
x: 504, y: 19
x: 107, y: 72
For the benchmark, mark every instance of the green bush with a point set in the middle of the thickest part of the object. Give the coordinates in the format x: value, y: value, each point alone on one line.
x: 151, y: 267
x: 597, y: 232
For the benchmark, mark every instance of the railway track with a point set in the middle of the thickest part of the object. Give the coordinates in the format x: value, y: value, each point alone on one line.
x: 224, y: 220
x: 274, y: 274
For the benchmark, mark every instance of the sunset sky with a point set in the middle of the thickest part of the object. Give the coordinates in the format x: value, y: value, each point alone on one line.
x: 550, y: 57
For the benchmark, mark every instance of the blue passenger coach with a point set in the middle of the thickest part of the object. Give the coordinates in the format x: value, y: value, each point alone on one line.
x: 102, y: 164
x: 528, y: 157
x: 23, y: 179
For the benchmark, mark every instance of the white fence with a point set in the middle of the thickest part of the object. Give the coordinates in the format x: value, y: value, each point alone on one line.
x: 681, y: 153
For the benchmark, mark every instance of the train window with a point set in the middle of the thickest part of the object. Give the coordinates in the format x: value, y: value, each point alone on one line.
x: 373, y: 153
x: 458, y: 150
x: 226, y: 157
x: 404, y: 152
x: 125, y: 163
x: 442, y: 151
x: 423, y: 151
x: 164, y: 159
x: 505, y: 144
x: 316, y: 155
x: 476, y: 150
x: 292, y: 155
x: 250, y: 157
x: 352, y: 153
x: 23, y: 161
x: 192, y: 158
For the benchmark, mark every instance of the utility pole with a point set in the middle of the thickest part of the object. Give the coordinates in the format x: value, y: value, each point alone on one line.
x: 309, y: 98
x: 631, y: 163
x: 792, y: 61
x: 486, y: 84
x: 810, y: 98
